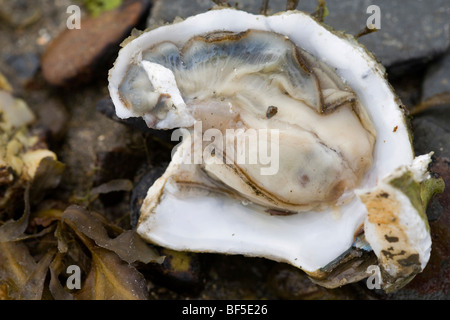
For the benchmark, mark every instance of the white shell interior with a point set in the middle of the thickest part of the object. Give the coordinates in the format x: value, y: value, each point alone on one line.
x: 216, y: 224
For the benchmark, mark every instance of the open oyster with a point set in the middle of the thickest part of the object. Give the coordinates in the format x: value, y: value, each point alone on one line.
x: 292, y: 141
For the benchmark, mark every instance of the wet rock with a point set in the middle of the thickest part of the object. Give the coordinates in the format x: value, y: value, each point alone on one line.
x: 140, y: 191
x: 411, y: 32
x: 148, y: 163
x: 90, y: 136
x: 116, y: 163
x: 106, y: 107
x: 77, y: 55
x: 437, y: 77
x: 441, y: 166
x: 52, y: 118
x: 167, y: 10
x: 235, y: 277
x: 432, y: 132
x: 406, y: 85
x: 291, y: 283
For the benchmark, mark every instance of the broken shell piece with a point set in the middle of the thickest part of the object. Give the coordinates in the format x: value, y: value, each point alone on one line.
x: 21, y: 156
x: 332, y: 135
x: 396, y: 225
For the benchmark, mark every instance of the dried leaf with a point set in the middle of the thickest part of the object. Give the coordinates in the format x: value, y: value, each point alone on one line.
x: 16, y: 265
x: 128, y: 245
x: 4, y: 290
x: 57, y: 290
x: 13, y: 230
x: 47, y: 176
x: 4, y: 84
x: 43, y: 232
x: 34, y: 286
x: 111, y: 278
x: 46, y: 217
x: 72, y: 250
x: 112, y: 186
x: 440, y: 99
x: 60, y: 235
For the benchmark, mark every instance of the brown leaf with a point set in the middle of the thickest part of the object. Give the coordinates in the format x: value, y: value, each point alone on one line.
x: 111, y: 186
x: 131, y: 248
x: 16, y: 264
x: 34, y: 286
x: 111, y: 278
x: 47, y: 176
x: 128, y: 245
x: 13, y: 230
x: 46, y: 217
x: 57, y: 290
x: 440, y: 99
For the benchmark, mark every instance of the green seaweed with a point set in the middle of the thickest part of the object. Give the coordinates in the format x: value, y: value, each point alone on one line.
x: 96, y: 7
x: 419, y: 193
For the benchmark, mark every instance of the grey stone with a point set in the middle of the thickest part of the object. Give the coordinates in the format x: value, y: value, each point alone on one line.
x: 432, y: 132
x: 437, y: 77
x: 167, y: 10
x: 411, y: 31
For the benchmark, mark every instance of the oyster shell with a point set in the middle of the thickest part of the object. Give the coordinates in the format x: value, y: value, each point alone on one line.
x: 332, y: 114
x: 24, y: 157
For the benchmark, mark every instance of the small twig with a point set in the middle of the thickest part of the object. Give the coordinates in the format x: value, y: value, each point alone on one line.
x: 321, y: 10
x: 223, y: 3
x: 265, y: 7
x: 365, y: 32
x: 441, y: 99
x: 291, y: 4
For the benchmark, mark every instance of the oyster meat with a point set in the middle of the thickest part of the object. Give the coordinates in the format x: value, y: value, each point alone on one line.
x: 288, y: 141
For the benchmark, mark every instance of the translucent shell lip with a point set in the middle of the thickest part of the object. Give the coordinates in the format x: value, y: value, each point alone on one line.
x: 311, y: 240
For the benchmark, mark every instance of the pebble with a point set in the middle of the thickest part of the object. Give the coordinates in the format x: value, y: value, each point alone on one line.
x: 24, y: 66
x: 20, y: 13
x: 76, y: 55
